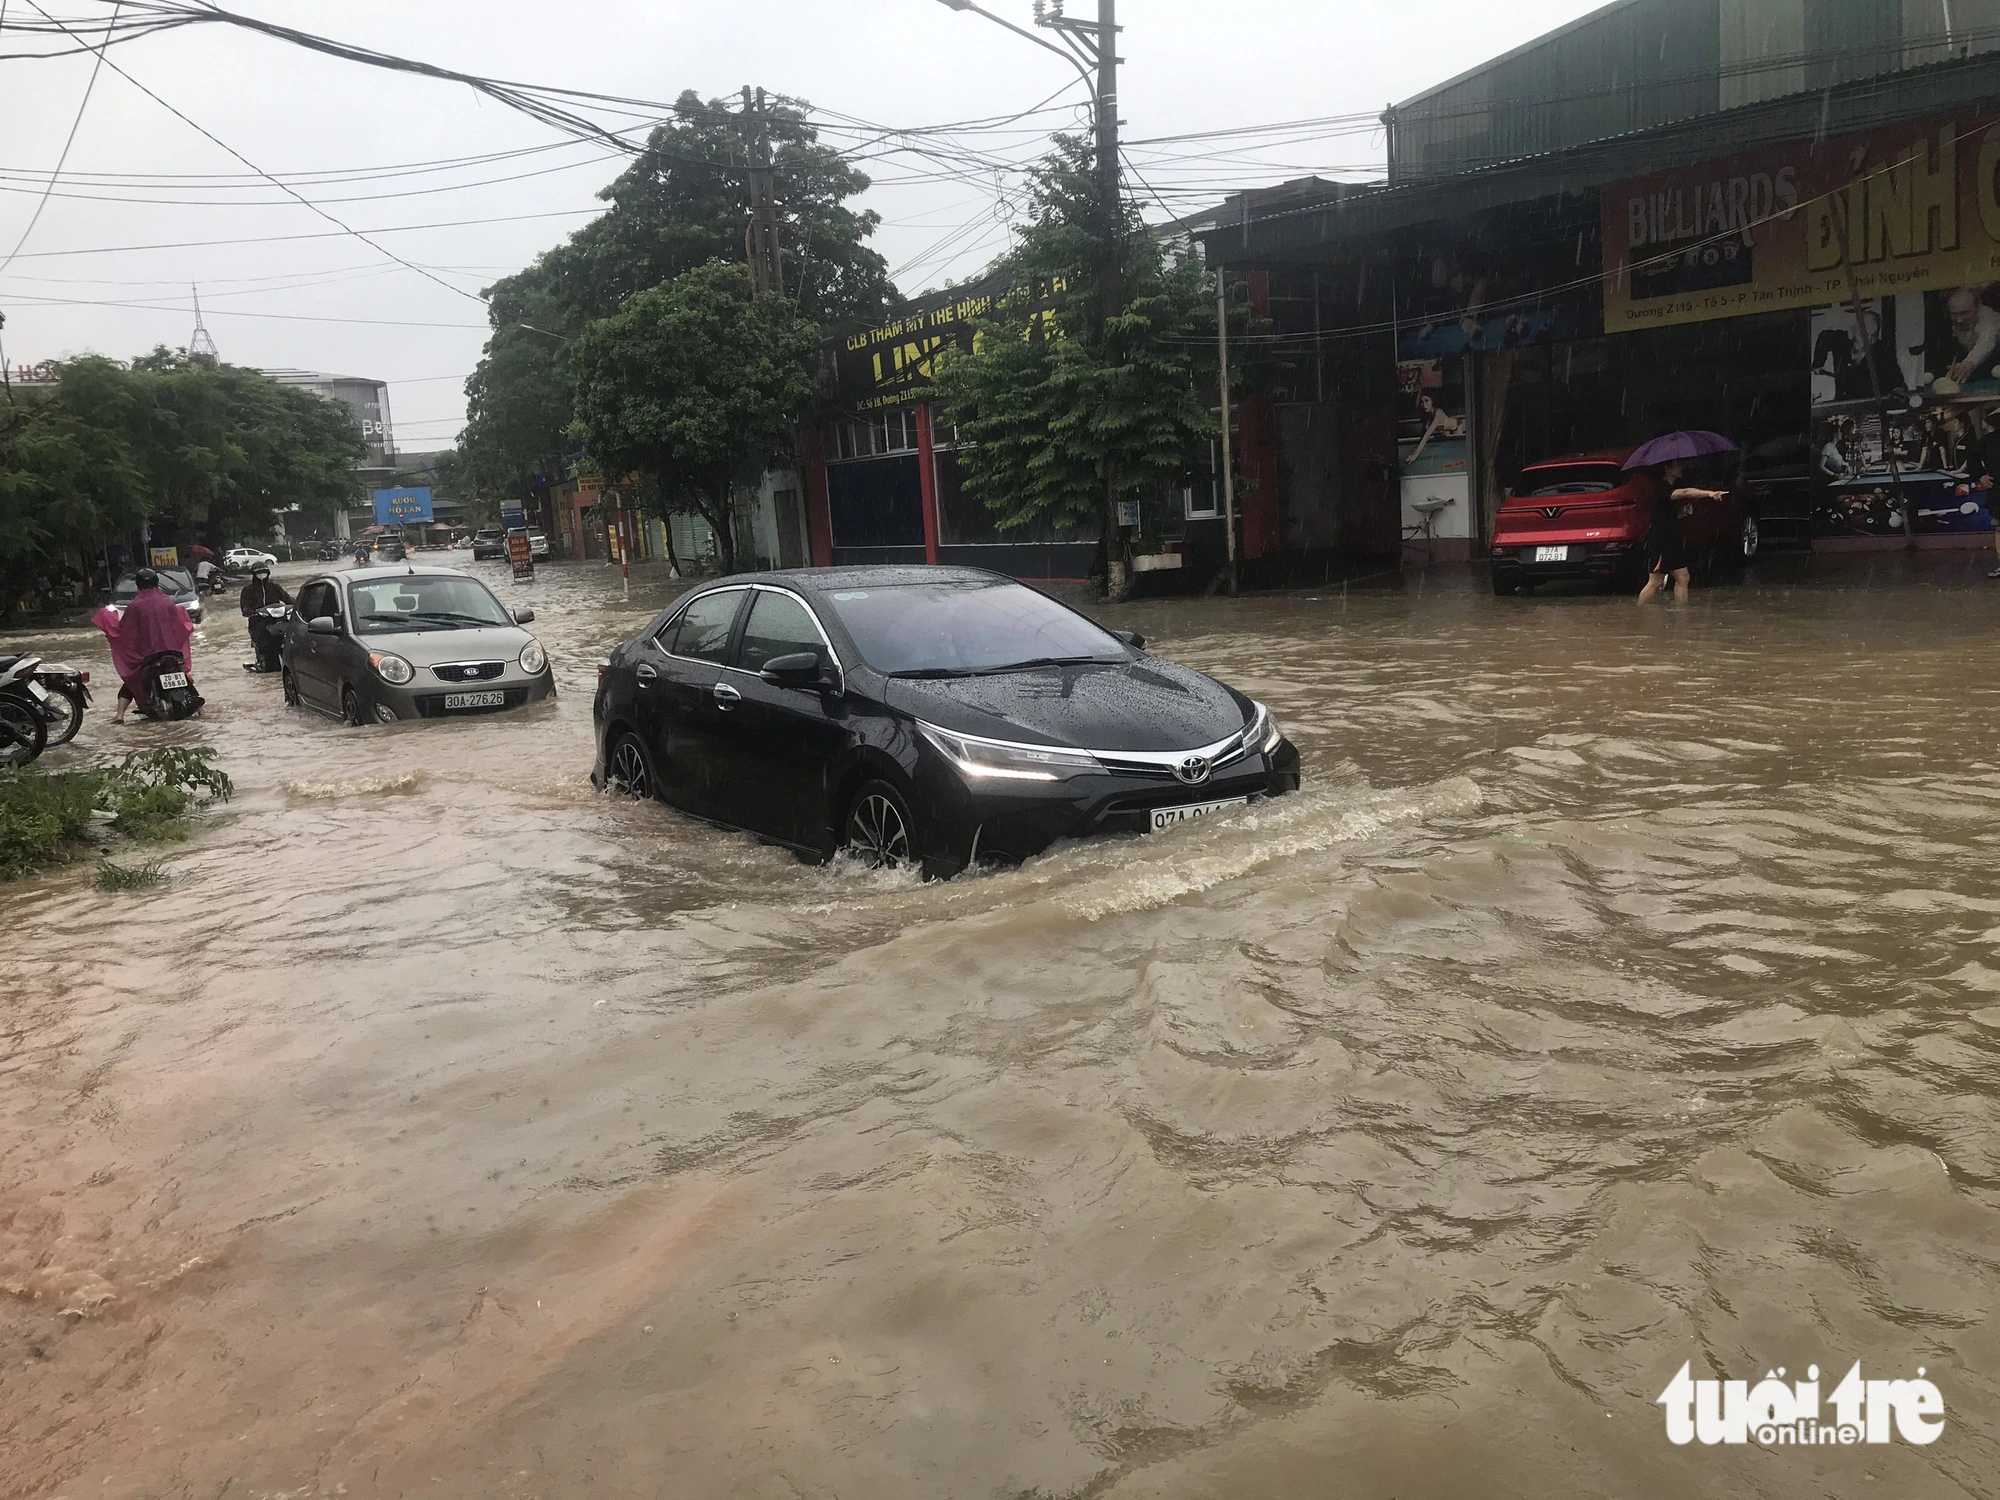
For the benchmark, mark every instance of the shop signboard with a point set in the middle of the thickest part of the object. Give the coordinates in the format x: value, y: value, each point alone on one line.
x: 1455, y: 294
x: 1898, y: 210
x: 521, y: 553
x: 402, y: 507
x: 1432, y: 447
x: 514, y: 519
x: 891, y: 364
x: 165, y: 557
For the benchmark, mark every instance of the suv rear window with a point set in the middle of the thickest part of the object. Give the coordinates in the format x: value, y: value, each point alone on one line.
x: 1570, y: 479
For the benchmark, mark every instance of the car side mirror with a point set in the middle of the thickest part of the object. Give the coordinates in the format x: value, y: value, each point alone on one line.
x: 800, y: 669
x: 1131, y: 638
x: 323, y: 625
x: 524, y: 616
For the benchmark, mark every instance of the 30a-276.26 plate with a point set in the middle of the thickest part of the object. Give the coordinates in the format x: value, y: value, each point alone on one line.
x: 474, y: 700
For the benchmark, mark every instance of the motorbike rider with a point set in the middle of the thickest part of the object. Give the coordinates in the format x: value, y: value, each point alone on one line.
x: 258, y: 594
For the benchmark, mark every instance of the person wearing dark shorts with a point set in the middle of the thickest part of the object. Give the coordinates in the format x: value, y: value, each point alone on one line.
x: 1666, y: 554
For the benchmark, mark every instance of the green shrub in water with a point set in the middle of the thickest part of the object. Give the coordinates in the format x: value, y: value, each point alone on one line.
x: 146, y: 877
x: 149, y: 796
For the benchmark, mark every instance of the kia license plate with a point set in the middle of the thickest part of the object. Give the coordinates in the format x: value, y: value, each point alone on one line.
x: 1552, y: 554
x: 173, y: 679
x: 474, y: 700
x: 1166, y: 817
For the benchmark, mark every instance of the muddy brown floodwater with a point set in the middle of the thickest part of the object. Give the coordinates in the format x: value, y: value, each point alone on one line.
x: 1623, y: 990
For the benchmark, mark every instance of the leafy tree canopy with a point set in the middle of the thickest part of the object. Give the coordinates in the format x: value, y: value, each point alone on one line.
x: 682, y: 204
x: 201, y: 451
x: 693, y: 387
x: 1062, y: 412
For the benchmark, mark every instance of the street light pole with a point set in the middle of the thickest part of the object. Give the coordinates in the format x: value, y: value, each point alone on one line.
x: 1094, y: 43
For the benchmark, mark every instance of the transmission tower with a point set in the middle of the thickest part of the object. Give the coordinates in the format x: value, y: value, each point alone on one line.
x: 200, y: 345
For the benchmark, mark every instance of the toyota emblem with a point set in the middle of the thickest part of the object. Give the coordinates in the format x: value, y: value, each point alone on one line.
x: 1193, y: 771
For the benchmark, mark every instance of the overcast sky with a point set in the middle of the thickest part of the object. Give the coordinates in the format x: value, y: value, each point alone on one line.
x: 138, y: 177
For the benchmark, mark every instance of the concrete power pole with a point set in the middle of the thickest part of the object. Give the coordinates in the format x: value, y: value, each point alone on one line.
x: 1097, y: 43
x: 767, y: 269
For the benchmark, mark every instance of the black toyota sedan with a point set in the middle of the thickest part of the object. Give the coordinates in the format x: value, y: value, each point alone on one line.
x: 928, y: 716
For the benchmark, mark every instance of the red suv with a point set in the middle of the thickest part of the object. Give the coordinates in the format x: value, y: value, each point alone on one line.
x: 1586, y: 516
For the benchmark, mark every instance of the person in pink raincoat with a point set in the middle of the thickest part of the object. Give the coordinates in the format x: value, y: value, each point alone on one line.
x: 151, y: 622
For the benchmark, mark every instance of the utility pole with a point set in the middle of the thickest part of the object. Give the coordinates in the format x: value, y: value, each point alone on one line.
x: 1228, y: 469
x: 767, y: 269
x: 1096, y: 44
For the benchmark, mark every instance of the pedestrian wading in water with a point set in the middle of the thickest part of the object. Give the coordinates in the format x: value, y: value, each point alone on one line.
x: 1666, y: 554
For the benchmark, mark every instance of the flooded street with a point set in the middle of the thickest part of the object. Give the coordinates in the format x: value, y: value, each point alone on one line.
x: 1623, y: 990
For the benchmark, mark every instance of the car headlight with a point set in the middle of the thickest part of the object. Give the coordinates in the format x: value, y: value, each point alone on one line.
x: 533, y: 658
x: 391, y: 667
x: 1263, y: 734
x: 1003, y: 760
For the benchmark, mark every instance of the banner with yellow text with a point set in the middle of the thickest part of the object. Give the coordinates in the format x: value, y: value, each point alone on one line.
x: 1902, y: 209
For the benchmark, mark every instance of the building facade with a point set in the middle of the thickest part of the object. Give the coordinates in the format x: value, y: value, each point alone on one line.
x: 1776, y: 220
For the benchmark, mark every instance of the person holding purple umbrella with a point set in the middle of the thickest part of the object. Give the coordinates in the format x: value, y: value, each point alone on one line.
x: 1663, y: 457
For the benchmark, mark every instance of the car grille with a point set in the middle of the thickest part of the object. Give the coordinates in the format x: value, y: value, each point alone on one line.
x: 468, y: 671
x: 431, y: 706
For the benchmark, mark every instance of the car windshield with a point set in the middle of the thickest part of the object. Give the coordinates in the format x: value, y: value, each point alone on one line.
x: 437, y: 602
x: 172, y: 581
x: 961, y: 629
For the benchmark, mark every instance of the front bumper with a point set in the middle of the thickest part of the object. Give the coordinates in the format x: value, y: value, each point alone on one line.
x: 1015, y: 820
x: 424, y: 698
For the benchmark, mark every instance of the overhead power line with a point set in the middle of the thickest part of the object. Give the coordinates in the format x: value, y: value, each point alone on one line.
x: 68, y: 141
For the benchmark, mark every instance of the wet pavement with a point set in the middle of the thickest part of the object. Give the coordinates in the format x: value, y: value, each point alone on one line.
x: 1623, y: 990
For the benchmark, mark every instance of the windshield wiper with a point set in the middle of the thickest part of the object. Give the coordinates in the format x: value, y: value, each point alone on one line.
x: 455, y: 617
x: 921, y: 673
x: 1041, y: 661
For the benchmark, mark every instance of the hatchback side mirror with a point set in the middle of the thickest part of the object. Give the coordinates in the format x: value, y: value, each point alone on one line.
x: 323, y: 625
x: 1131, y: 638
x: 524, y: 617
x: 799, y: 670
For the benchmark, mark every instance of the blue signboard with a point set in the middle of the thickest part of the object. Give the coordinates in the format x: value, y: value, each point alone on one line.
x: 514, y: 519
x: 401, y: 507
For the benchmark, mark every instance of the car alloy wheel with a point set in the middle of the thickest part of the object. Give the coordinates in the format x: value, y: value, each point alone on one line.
x: 878, y: 828
x: 350, y: 709
x: 628, y: 772
x: 291, y: 686
x: 1751, y: 539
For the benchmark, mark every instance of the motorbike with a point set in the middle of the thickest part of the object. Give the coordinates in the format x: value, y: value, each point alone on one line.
x: 22, y: 701
x: 68, y: 690
x: 267, y: 636
x: 166, y: 691
x: 328, y: 551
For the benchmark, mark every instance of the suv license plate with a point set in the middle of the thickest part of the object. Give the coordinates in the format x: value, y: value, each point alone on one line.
x: 474, y: 700
x: 1552, y: 554
x: 1166, y: 817
x: 173, y: 679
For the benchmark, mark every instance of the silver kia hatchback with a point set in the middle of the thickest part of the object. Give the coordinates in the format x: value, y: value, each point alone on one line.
x: 377, y: 645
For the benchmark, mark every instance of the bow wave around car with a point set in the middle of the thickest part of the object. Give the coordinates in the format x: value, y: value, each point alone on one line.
x: 936, y: 717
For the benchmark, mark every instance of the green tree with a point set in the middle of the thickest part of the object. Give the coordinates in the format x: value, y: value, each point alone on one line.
x: 199, y: 451
x: 683, y: 203
x: 1063, y: 411
x: 693, y: 387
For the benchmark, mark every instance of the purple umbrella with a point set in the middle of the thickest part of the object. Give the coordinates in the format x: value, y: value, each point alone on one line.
x: 1693, y: 444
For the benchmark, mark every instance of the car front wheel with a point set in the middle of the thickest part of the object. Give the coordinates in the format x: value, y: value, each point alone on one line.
x: 1749, y: 540
x: 879, y: 832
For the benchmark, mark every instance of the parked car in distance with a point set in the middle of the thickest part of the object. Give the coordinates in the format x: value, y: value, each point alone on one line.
x: 176, y: 583
x: 489, y: 543
x: 538, y: 545
x: 1584, y: 517
x: 933, y: 717
x: 376, y: 645
x: 243, y: 559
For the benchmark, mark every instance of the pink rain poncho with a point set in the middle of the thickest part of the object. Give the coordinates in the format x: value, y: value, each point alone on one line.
x: 151, y: 622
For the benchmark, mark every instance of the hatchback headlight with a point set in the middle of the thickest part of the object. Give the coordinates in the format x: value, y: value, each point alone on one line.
x: 1003, y: 760
x: 390, y: 667
x: 1263, y: 734
x: 533, y: 658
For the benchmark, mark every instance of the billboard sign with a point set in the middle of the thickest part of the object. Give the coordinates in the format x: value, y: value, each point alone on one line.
x: 891, y: 364
x: 521, y: 553
x: 402, y: 507
x: 514, y: 519
x: 1906, y: 208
